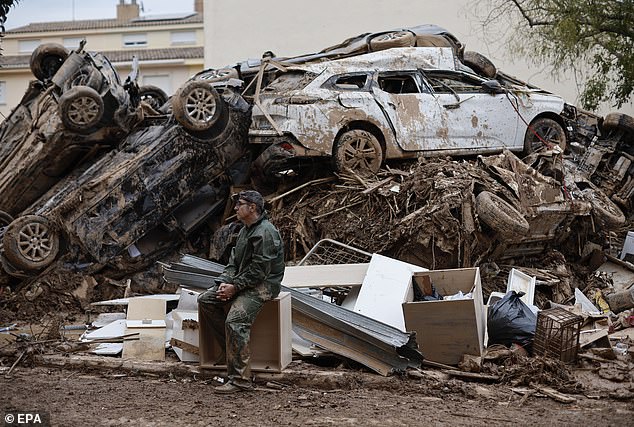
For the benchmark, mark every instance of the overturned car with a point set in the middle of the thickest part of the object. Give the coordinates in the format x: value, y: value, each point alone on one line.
x: 76, y: 110
x: 138, y: 201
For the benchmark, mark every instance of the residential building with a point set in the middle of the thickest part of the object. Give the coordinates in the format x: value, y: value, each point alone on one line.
x: 169, y: 47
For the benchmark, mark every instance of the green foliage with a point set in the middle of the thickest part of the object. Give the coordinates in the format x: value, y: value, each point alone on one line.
x: 5, y: 5
x: 592, y: 38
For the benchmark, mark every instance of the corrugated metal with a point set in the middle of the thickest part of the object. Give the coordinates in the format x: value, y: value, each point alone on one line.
x: 376, y: 345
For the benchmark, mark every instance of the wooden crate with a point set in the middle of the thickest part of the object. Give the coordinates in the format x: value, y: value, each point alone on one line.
x: 271, y: 347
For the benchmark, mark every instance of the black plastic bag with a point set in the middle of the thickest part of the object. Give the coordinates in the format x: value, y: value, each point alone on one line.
x: 510, y: 321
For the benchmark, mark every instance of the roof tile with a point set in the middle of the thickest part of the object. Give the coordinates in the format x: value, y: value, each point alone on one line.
x: 95, y: 24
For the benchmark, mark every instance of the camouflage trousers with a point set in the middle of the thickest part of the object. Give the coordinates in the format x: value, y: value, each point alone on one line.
x: 233, y: 327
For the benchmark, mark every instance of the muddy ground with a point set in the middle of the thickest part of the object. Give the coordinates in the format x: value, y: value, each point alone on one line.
x: 316, y: 397
x: 338, y: 394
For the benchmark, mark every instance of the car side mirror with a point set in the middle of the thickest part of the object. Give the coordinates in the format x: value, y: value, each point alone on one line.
x: 492, y: 87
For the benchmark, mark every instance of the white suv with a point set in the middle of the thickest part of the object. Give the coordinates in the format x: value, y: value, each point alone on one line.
x: 397, y: 103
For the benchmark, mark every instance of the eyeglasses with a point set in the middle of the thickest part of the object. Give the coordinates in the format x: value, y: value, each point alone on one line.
x: 240, y: 203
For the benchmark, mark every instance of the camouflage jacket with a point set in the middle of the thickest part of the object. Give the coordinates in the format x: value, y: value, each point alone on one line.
x: 258, y: 257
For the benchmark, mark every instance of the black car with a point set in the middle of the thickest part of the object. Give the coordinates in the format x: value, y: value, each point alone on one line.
x: 140, y: 200
x: 76, y: 110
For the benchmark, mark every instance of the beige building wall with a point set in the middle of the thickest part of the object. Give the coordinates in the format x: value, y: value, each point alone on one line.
x: 239, y: 29
x: 166, y: 74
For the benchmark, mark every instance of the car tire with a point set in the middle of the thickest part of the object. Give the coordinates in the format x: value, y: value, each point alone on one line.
x: 604, y: 210
x: 153, y: 95
x: 358, y: 150
x: 500, y: 216
x: 547, y: 129
x: 619, y: 122
x: 30, y: 243
x: 5, y: 219
x: 273, y: 160
x: 46, y: 60
x: 81, y: 109
x: 480, y: 64
x: 392, y: 39
x: 200, y: 109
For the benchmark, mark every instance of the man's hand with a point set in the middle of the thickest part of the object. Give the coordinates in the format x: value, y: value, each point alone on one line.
x: 226, y: 291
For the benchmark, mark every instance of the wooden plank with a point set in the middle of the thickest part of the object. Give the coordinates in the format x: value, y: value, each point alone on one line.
x: 150, y: 345
x: 175, y: 342
x: 471, y: 375
x: 554, y: 394
x: 315, y: 276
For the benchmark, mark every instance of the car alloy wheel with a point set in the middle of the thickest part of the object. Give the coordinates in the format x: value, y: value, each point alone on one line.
x: 30, y: 243
x: 81, y: 108
x: 358, y: 150
x: 392, y: 39
x: 548, y: 130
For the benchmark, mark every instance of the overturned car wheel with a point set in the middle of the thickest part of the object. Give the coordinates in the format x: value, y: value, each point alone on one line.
x: 543, y: 130
x: 200, y: 109
x: 621, y: 123
x: 500, y: 216
x: 81, y: 108
x: 604, y: 210
x: 393, y: 39
x: 30, y: 243
x: 5, y: 219
x: 153, y: 95
x: 480, y: 64
x: 46, y: 60
x: 357, y: 150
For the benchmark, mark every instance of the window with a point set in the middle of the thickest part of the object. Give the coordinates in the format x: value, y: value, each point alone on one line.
x: 183, y: 37
x: 160, y: 80
x: 347, y: 82
x: 291, y: 80
x: 134, y: 40
x: 398, y: 83
x: 28, y: 46
x: 72, y: 42
x: 449, y: 83
x: 3, y: 88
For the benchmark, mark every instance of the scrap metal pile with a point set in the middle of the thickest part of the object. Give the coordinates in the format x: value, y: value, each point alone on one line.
x: 144, y: 175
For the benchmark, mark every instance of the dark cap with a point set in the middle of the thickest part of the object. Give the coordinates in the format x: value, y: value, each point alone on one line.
x: 253, y: 197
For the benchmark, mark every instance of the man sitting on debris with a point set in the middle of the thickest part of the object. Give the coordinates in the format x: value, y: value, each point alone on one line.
x: 252, y: 277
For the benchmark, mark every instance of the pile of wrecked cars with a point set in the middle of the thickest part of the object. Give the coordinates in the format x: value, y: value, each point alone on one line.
x: 374, y: 98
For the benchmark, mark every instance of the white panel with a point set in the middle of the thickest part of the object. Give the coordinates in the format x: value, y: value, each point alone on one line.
x: 183, y: 37
x: 315, y: 276
x: 72, y: 42
x: 387, y: 285
x: 28, y: 46
x: 522, y: 282
x: 130, y: 40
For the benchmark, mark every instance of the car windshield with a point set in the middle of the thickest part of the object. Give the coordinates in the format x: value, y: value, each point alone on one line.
x: 292, y: 80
